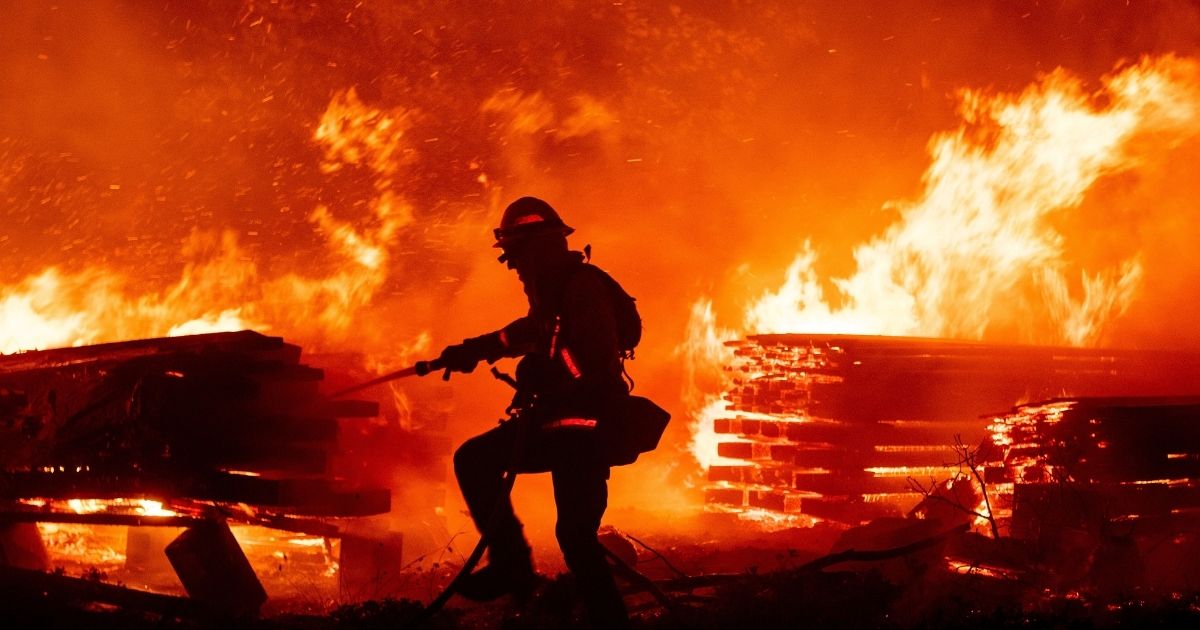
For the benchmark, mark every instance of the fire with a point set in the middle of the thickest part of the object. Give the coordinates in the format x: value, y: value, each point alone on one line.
x: 979, y: 248
x: 353, y: 133
x: 141, y: 507
x: 220, y: 287
x: 228, y: 320
x: 703, y: 445
x: 979, y: 241
x: 153, y: 508
x: 704, y: 353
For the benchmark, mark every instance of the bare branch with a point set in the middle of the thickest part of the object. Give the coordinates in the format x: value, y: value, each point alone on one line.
x: 968, y: 457
x: 967, y: 460
x: 658, y: 555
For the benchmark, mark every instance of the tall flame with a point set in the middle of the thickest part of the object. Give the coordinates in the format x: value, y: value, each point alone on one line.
x: 978, y: 242
x: 704, y: 353
x: 978, y: 246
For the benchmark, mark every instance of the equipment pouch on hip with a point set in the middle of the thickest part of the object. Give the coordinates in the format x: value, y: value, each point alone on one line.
x: 629, y: 427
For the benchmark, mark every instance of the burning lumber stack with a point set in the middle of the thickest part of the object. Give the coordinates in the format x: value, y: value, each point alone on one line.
x: 1087, y: 463
x: 833, y: 427
x: 228, y: 417
x: 185, y: 432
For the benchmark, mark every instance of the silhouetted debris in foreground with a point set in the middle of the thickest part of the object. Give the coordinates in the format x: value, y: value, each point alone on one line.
x: 783, y: 599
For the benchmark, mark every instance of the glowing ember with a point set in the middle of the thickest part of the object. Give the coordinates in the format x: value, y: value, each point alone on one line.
x: 140, y: 507
x: 968, y: 567
x: 154, y: 508
x: 1107, y: 455
x: 920, y: 472
x: 84, y: 547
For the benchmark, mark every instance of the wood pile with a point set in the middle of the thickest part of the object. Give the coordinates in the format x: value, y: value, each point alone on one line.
x: 227, y: 417
x: 191, y: 432
x: 1084, y: 464
x: 833, y: 427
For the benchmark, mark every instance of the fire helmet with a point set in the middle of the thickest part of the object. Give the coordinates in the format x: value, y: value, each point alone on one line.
x: 529, y: 216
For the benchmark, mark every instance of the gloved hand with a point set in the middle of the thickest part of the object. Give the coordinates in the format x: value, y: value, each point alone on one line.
x: 458, y: 358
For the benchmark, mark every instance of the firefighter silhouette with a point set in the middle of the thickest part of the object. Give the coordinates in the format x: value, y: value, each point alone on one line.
x: 570, y: 382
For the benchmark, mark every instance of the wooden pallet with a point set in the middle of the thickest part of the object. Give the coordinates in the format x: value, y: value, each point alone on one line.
x: 844, y: 416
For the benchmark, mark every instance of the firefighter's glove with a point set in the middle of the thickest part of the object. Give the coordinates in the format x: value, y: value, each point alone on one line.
x: 458, y: 358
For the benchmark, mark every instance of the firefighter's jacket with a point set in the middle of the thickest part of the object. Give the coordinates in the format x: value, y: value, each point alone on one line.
x: 571, y: 366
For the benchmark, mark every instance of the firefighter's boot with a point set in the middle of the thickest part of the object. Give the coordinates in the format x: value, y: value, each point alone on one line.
x: 509, y: 572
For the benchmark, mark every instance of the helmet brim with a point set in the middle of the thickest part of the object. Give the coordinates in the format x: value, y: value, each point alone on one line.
x: 515, y: 234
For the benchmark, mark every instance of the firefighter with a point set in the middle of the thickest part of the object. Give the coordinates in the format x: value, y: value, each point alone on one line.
x: 570, y: 371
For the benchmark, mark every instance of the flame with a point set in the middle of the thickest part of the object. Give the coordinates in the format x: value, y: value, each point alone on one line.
x: 704, y: 353
x: 978, y: 247
x: 979, y: 242
x: 981, y: 524
x: 228, y: 320
x: 141, y: 507
x: 154, y: 508
x: 703, y: 445
x: 353, y: 134
x: 220, y: 287
x: 86, y: 506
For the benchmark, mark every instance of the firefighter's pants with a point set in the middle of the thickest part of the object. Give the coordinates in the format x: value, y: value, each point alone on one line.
x: 580, y: 494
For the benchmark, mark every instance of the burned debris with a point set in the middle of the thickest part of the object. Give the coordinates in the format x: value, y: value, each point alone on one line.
x: 197, y: 433
x: 1108, y: 489
x: 926, y: 483
x: 1088, y: 501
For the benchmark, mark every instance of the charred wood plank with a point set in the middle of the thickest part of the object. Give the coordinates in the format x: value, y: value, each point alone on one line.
x: 214, y: 570
x: 733, y: 497
x: 32, y: 585
x: 1054, y: 506
x: 851, y: 510
x: 306, y: 497
x: 842, y: 483
x: 255, y: 345
x: 75, y: 484
x: 21, y: 546
x: 279, y: 459
x: 265, y: 431
x: 97, y: 518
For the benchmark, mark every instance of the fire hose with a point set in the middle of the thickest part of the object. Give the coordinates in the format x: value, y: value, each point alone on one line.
x: 506, y: 486
x: 422, y: 368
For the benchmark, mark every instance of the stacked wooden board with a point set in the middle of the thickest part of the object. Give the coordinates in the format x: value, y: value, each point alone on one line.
x: 1087, y: 463
x: 226, y: 417
x: 833, y: 427
x: 187, y: 432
